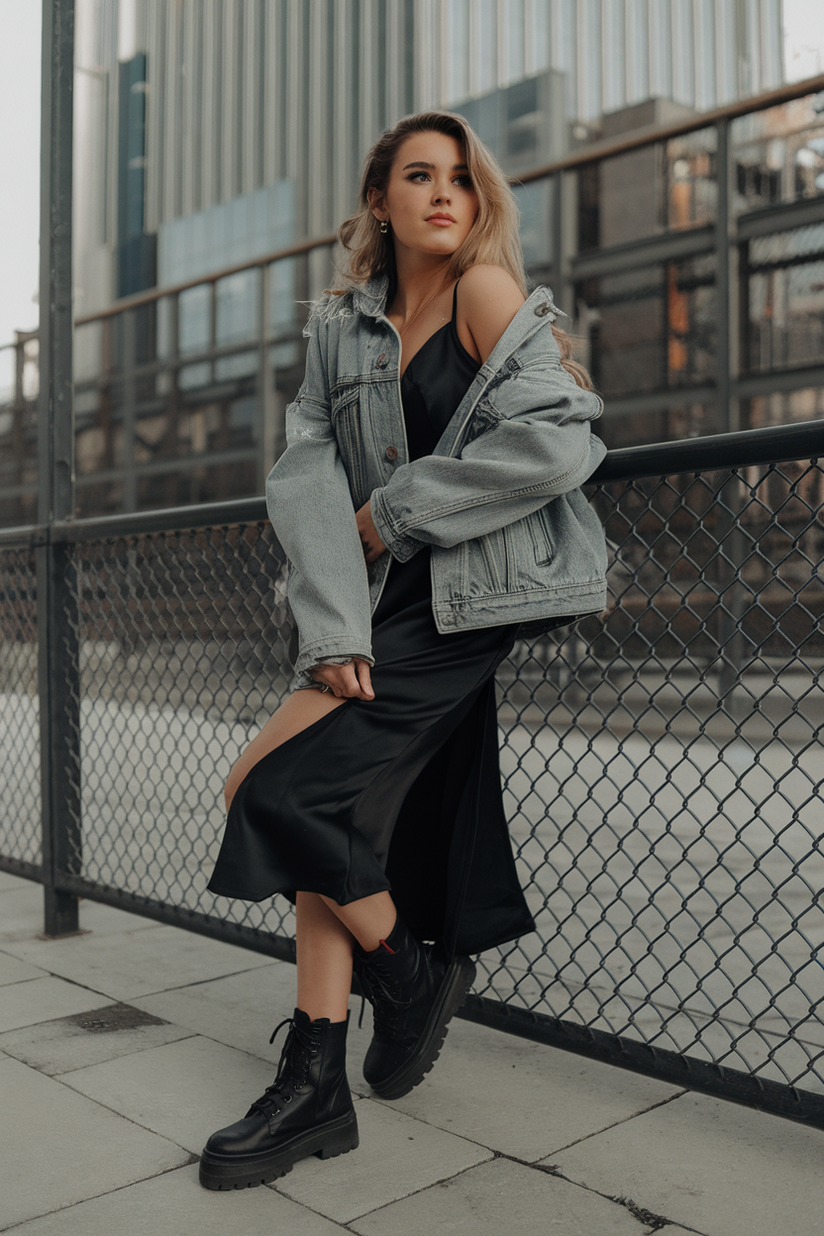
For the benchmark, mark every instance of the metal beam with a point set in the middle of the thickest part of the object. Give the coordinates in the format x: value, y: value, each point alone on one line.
x: 669, y: 247
x: 57, y: 611
x: 781, y: 218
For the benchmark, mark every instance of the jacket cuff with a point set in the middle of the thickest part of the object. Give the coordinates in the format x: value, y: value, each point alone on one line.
x: 340, y: 646
x: 400, y: 546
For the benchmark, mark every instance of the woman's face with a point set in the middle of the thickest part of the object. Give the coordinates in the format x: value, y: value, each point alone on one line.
x: 430, y: 202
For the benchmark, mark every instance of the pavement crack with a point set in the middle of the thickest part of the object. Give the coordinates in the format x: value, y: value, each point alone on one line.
x: 654, y: 1222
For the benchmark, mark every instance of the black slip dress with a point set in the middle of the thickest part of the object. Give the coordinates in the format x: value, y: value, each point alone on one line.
x: 402, y: 792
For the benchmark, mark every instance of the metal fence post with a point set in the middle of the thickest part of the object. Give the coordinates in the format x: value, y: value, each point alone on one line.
x: 57, y: 613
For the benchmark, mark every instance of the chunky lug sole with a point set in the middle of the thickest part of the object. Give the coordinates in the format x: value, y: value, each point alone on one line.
x: 326, y: 1141
x: 453, y: 991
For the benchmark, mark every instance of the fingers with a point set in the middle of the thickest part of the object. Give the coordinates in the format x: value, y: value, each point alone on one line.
x: 365, y: 680
x: 373, y: 546
x: 346, y: 681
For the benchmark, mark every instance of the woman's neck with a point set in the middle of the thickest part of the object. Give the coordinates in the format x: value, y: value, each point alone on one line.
x: 416, y: 280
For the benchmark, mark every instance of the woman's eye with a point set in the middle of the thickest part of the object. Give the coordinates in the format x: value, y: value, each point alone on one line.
x: 464, y: 181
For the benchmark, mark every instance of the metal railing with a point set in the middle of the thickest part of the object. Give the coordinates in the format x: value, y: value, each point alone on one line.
x: 661, y: 763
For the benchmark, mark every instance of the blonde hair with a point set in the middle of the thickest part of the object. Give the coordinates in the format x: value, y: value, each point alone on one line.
x: 493, y: 239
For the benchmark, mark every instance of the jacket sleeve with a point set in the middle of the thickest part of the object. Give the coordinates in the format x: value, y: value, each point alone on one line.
x: 535, y: 444
x: 312, y: 511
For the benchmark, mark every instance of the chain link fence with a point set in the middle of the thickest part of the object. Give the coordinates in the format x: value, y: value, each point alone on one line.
x: 20, y: 833
x: 661, y: 764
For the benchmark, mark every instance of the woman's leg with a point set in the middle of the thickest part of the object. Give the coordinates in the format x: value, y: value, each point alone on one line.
x: 325, y: 934
x: 369, y: 920
x: 325, y: 931
x: 300, y: 710
x: 324, y: 949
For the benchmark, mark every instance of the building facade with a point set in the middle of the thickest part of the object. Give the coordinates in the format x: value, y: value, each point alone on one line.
x: 212, y: 136
x: 192, y: 105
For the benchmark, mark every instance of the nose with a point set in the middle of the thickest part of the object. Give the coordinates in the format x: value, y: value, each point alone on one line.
x: 440, y: 193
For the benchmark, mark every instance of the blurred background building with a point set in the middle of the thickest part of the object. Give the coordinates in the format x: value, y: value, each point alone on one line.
x: 214, y: 135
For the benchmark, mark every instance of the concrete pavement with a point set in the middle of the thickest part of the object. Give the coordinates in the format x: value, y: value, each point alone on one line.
x: 123, y: 1047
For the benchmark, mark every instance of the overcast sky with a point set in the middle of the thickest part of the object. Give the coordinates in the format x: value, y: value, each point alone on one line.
x: 19, y: 143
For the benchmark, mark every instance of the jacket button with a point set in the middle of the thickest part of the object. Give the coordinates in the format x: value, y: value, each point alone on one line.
x: 391, y: 452
x: 541, y: 310
x: 382, y: 361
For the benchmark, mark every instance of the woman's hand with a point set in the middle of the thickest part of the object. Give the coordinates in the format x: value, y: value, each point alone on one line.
x: 346, y: 682
x: 373, y: 546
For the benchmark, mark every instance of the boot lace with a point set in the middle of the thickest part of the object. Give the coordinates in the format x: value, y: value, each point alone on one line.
x: 299, y: 1049
x: 381, y: 989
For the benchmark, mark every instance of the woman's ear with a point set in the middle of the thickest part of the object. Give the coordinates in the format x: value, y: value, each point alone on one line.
x: 376, y: 202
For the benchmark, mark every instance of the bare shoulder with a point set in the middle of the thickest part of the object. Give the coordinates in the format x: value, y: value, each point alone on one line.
x: 488, y: 299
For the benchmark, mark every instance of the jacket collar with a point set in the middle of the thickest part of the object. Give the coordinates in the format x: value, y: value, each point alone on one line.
x: 370, y: 297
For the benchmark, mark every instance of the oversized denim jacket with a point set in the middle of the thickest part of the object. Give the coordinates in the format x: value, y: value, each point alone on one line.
x: 512, y: 537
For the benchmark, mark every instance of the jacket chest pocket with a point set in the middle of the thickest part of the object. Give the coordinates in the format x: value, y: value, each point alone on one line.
x: 540, y: 532
x: 348, y: 430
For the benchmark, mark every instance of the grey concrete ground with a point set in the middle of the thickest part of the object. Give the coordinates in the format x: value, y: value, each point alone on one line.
x: 674, y: 875
x: 123, y: 1047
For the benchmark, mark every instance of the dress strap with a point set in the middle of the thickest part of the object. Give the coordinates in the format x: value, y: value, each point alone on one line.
x: 455, y: 304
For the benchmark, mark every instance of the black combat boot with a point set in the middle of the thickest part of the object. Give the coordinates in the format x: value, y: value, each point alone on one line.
x: 414, y: 995
x: 306, y: 1110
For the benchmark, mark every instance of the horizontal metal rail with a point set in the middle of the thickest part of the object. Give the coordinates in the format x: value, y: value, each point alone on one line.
x: 772, y: 444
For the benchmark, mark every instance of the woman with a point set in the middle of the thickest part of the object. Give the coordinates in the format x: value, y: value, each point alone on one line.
x: 429, y: 504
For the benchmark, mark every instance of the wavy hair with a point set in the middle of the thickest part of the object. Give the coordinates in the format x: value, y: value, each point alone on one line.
x: 493, y: 238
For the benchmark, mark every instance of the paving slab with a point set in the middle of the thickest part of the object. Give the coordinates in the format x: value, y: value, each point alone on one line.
x: 21, y: 913
x: 43, y: 999
x: 55, y: 1047
x: 710, y: 1166
x: 9, y: 881
x: 175, y: 1202
x: 531, y: 1096
x: 240, y: 1010
x: 501, y: 1197
x: 159, y: 958
x: 58, y: 1148
x: 396, y: 1156
x: 183, y: 1090
x: 13, y: 970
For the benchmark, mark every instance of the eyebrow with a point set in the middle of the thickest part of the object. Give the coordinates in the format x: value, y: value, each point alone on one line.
x: 456, y: 167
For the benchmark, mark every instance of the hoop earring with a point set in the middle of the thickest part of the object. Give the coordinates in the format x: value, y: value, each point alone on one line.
x: 384, y: 226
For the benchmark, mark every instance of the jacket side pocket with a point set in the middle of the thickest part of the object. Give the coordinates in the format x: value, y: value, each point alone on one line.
x: 541, y: 536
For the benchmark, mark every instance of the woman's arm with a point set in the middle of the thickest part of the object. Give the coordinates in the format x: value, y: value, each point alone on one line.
x: 488, y: 300
x: 310, y: 506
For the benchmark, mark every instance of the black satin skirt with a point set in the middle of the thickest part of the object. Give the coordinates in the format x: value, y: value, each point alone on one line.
x: 400, y: 793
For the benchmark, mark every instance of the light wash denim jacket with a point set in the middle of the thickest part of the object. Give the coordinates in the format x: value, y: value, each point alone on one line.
x: 512, y: 537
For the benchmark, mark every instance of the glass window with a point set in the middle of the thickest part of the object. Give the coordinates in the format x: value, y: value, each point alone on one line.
x: 781, y: 407
x: 535, y: 203
x: 456, y: 51
x: 691, y: 179
x: 688, y: 420
x: 88, y: 345
x: 195, y: 309
x: 283, y: 295
x: 652, y: 328
x: 238, y: 307
x: 648, y: 191
x: 785, y: 318
x: 779, y: 153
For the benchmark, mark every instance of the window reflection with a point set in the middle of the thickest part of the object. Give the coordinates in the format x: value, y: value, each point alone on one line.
x: 786, y: 299
x: 779, y: 153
